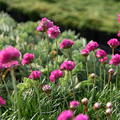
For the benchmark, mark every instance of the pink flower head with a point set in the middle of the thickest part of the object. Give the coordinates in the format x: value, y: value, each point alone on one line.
x: 56, y: 74
x: 84, y: 52
x: 35, y: 75
x: 115, y: 60
x: 118, y: 34
x: 27, y: 58
x: 81, y: 117
x: 118, y: 18
x: 53, y: 32
x: 74, y: 104
x: 65, y: 115
x: 46, y: 88
x: 67, y: 65
x: 2, y: 101
x: 66, y: 43
x: 103, y: 60
x: 101, y: 53
x: 113, y: 43
x: 92, y: 45
x: 9, y: 56
x: 44, y: 24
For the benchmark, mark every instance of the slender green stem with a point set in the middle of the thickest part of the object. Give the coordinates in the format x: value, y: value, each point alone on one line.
x: 16, y: 104
x: 104, y: 76
x: 57, y: 52
x: 117, y: 76
x: 110, y: 91
x: 86, y: 65
x: 113, y: 51
x: 94, y: 61
x: 100, y: 71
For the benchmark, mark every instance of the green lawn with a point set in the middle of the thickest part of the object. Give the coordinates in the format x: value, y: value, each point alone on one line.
x: 77, y: 14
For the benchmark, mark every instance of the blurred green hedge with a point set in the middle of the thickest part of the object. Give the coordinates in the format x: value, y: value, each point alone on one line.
x: 98, y: 15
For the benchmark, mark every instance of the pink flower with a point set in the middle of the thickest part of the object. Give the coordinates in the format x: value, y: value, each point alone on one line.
x: 56, y: 74
x: 46, y: 88
x: 27, y: 58
x: 9, y: 56
x: 103, y: 60
x: 66, y: 43
x: 101, y: 53
x: 44, y: 24
x: 2, y: 101
x: 81, y: 117
x: 35, y: 75
x: 113, y: 43
x: 92, y: 45
x: 53, y: 32
x: 65, y: 115
x: 67, y: 65
x: 74, y: 104
x: 118, y: 18
x: 84, y: 52
x: 118, y: 34
x: 115, y: 60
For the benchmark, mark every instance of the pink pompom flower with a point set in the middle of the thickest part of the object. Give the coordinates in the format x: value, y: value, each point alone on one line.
x: 101, y: 53
x: 35, y: 75
x: 9, y: 56
x: 74, y: 104
x: 113, y: 43
x: 2, y: 101
x: 115, y: 60
x: 118, y: 18
x: 67, y: 65
x: 56, y: 74
x: 53, y: 32
x: 44, y: 25
x: 103, y: 60
x: 65, y: 115
x: 66, y: 43
x: 46, y: 88
x: 81, y: 117
x: 27, y: 58
x: 84, y: 52
x: 118, y: 34
x: 92, y: 45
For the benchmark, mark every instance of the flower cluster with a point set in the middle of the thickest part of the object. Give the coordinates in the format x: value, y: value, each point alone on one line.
x: 2, y: 101
x: 66, y: 43
x: 56, y: 74
x: 27, y: 58
x: 35, y: 75
x: 44, y: 24
x: 67, y: 65
x: 115, y: 60
x: 102, y: 55
x: 113, y: 43
x: 48, y: 26
x: 9, y: 57
x: 92, y: 45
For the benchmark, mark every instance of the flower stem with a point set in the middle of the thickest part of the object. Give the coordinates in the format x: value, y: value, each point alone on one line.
x: 16, y: 104
x: 86, y: 65
x: 113, y: 51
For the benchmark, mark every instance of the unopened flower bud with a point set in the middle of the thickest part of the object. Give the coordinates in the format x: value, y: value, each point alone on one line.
x: 111, y: 70
x: 96, y: 106
x: 84, y: 101
x: 92, y: 75
x: 108, y: 111
x: 109, y: 105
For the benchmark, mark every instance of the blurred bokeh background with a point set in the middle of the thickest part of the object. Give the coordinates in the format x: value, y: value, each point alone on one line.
x: 93, y: 19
